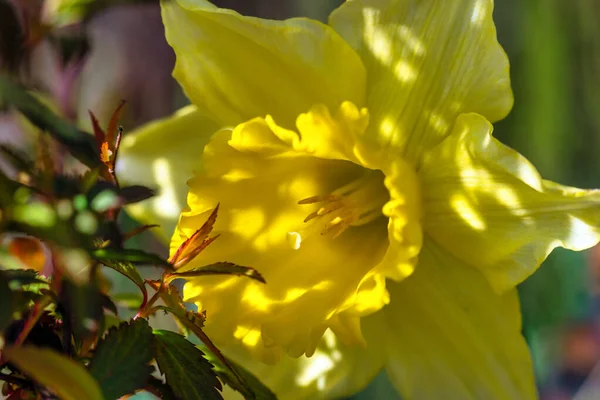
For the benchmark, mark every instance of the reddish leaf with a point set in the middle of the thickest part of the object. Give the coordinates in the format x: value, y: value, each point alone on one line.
x: 111, y: 131
x: 195, y: 243
x: 98, y: 132
x: 138, y: 230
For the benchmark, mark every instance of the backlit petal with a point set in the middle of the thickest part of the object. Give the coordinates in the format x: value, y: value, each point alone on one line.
x: 162, y: 155
x: 236, y: 68
x: 488, y: 206
x: 334, y: 371
x: 453, y: 337
x: 259, y: 173
x: 427, y: 61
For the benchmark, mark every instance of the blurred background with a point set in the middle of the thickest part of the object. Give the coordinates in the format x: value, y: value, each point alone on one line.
x: 89, y: 54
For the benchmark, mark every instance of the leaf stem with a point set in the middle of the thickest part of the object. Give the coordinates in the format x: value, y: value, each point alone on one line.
x: 146, y: 308
x: 36, y: 313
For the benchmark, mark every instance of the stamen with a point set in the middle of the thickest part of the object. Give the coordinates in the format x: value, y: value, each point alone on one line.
x: 357, y: 203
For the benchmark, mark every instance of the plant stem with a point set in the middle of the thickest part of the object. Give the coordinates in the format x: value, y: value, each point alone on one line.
x: 36, y: 313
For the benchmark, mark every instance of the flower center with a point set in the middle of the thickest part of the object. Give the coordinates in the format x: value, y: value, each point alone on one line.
x: 356, y: 203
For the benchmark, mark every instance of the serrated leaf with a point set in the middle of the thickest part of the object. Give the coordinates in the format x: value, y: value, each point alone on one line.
x: 173, y: 301
x: 251, y: 388
x: 21, y: 276
x: 63, y: 376
x: 80, y: 144
x: 193, y: 245
x: 221, y: 268
x: 128, y: 270
x: 120, y: 362
x: 129, y: 255
x: 192, y: 325
x: 188, y: 373
x: 23, y: 300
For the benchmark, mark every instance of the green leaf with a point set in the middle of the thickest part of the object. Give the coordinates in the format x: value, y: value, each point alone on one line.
x: 251, y: 388
x: 221, y: 268
x: 21, y: 277
x: 128, y: 270
x: 80, y: 144
x: 120, y: 362
x: 6, y: 303
x: 23, y: 300
x: 136, y: 193
x: 188, y: 373
x: 17, y: 159
x: 63, y: 376
x: 131, y: 255
x: 82, y: 305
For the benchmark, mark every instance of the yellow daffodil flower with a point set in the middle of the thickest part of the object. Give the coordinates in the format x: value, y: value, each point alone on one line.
x: 356, y: 170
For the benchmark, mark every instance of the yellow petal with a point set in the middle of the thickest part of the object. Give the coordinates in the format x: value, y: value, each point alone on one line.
x: 452, y: 337
x: 404, y: 211
x: 162, y: 155
x: 259, y: 173
x: 236, y: 68
x: 334, y: 371
x: 487, y: 205
x: 427, y: 62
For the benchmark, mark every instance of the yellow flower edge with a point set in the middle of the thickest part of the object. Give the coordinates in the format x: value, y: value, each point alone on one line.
x: 356, y: 170
x: 268, y: 181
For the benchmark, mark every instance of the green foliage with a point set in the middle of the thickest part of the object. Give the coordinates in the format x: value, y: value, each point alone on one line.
x: 80, y: 144
x: 241, y: 380
x: 120, y: 362
x: 128, y: 255
x: 81, y: 305
x: 61, y: 329
x: 188, y: 373
x: 128, y: 270
x: 65, y: 377
x: 221, y: 268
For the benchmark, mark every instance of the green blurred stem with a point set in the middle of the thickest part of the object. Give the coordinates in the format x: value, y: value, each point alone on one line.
x: 543, y: 97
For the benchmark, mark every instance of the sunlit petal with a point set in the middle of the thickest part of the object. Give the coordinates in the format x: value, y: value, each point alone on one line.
x: 259, y: 172
x: 236, y: 68
x: 162, y: 155
x: 334, y: 371
x: 487, y: 205
x: 453, y: 337
x: 427, y: 61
